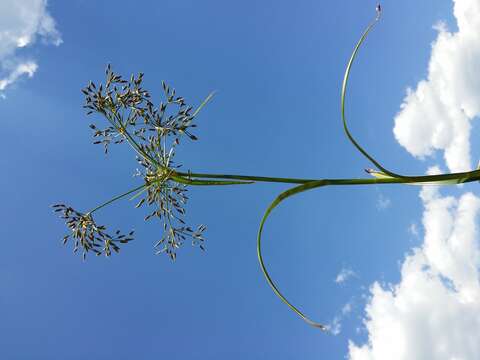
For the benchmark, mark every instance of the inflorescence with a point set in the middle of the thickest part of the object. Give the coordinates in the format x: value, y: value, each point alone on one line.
x: 88, y: 235
x: 153, y: 132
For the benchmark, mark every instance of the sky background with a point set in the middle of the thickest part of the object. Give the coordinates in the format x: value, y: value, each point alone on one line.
x: 367, y: 261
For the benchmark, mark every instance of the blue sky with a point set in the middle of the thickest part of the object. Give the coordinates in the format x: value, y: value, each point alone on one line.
x: 277, y: 69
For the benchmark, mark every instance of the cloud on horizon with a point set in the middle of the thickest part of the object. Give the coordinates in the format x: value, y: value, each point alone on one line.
x: 22, y: 23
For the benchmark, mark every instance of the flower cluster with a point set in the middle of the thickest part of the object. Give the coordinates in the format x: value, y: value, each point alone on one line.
x: 169, y: 198
x: 132, y: 116
x: 153, y: 132
x: 89, y: 236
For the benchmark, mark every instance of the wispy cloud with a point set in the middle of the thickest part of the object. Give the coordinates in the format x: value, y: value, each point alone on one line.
x: 347, y: 308
x: 27, y: 68
x: 383, y: 202
x: 413, y: 229
x: 344, y: 275
x: 335, y: 326
x: 21, y: 24
x: 437, y: 114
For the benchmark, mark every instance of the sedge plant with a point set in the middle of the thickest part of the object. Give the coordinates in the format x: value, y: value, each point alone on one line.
x: 154, y: 132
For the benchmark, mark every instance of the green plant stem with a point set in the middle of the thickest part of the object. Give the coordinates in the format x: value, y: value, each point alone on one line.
x: 131, y: 141
x: 457, y: 178
x: 180, y: 179
x: 343, y: 97
x: 118, y: 197
x: 188, y: 181
x: 246, y: 177
x: 204, y: 102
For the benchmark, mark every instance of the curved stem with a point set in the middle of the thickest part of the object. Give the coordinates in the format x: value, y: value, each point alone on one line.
x: 428, y: 179
x: 343, y: 96
x: 274, y: 287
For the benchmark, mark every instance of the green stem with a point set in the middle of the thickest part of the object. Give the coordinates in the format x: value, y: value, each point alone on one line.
x: 428, y: 179
x: 461, y: 177
x: 246, y: 177
x: 131, y: 141
x: 188, y: 181
x: 343, y: 96
x: 204, y: 102
x: 118, y: 197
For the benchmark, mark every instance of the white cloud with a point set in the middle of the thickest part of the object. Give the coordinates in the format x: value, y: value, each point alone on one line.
x: 383, y: 202
x: 344, y: 275
x: 27, y: 68
x: 347, y: 309
x: 335, y: 326
x: 21, y: 23
x: 434, y: 312
x: 413, y: 229
x: 437, y: 115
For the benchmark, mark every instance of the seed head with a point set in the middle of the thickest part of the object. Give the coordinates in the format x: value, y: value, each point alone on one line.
x: 87, y: 235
